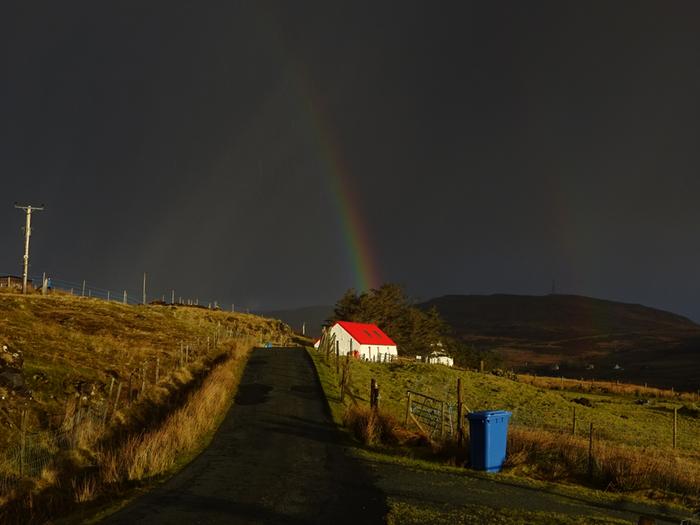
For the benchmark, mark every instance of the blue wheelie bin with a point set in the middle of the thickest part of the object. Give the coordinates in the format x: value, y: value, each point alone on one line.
x: 488, y: 433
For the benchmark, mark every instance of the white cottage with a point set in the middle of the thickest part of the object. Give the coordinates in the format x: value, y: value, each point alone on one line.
x: 365, y: 341
x: 439, y: 358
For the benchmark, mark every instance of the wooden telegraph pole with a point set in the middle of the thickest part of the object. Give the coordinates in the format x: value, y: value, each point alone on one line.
x: 144, y: 288
x: 27, y: 233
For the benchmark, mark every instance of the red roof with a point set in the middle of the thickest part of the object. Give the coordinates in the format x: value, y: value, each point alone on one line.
x: 366, y: 334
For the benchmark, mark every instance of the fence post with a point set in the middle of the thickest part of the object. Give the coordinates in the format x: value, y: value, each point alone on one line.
x: 109, y: 396
x: 460, y: 428
x: 116, y: 398
x: 675, y: 426
x: 143, y: 380
x: 590, y: 452
x: 481, y: 366
x: 129, y: 387
x: 76, y: 421
x: 573, y: 427
x: 442, y: 419
x: 23, y: 442
x: 408, y: 409
x: 337, y: 357
x: 124, y: 300
x: 373, y: 394
x: 157, y: 368
x: 346, y: 377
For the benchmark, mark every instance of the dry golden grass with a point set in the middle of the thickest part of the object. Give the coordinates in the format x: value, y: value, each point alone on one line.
x: 555, y: 456
x: 156, y: 425
x: 378, y: 427
x: 606, y: 387
x: 156, y: 451
x: 106, y: 463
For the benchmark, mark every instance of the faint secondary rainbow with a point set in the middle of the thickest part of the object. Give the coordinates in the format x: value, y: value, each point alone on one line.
x: 356, y: 239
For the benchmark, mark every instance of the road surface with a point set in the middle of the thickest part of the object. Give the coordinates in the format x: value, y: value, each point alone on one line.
x: 276, y: 458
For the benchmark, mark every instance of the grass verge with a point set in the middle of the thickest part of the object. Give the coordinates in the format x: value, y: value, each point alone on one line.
x: 402, y: 513
x: 641, y: 474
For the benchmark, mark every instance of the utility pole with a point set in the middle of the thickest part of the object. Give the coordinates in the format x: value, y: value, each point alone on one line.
x: 144, y: 288
x: 27, y: 233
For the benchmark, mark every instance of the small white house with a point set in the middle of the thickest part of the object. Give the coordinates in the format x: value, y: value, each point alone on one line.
x: 439, y: 358
x: 366, y: 341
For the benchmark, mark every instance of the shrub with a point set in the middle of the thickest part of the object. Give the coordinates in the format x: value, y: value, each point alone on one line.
x: 371, y: 427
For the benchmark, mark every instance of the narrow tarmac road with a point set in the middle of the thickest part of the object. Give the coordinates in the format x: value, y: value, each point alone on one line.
x: 276, y: 458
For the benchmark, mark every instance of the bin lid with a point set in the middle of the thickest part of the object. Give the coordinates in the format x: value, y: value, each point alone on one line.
x: 488, y: 414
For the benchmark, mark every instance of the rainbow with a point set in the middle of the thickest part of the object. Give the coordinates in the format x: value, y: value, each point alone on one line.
x: 355, y: 236
x: 356, y: 239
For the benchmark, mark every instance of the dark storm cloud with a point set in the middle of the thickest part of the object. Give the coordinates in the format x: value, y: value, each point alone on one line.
x: 493, y: 146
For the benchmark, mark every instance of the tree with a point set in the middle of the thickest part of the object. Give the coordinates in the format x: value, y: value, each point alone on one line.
x: 347, y: 308
x: 413, y: 329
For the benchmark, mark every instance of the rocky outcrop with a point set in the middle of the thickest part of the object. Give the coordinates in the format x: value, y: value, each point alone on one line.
x: 11, y: 367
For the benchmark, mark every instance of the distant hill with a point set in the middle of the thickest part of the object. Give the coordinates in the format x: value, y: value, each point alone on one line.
x: 313, y: 316
x: 582, y: 336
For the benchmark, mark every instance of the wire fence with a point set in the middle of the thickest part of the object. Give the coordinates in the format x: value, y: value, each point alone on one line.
x: 86, y: 417
x: 128, y: 296
x: 30, y: 453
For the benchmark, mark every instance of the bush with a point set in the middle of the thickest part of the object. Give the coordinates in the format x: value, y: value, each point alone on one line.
x: 371, y: 427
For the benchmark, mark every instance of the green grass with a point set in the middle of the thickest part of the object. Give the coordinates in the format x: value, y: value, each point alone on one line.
x: 616, y: 418
x: 645, y: 431
x: 402, y: 513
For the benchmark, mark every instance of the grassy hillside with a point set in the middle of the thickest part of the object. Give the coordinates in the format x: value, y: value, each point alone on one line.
x: 633, y: 431
x: 115, y: 396
x: 573, y: 332
x: 76, y: 345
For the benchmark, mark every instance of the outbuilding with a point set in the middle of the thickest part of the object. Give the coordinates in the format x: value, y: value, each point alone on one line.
x: 12, y: 281
x: 440, y: 358
x: 364, y: 340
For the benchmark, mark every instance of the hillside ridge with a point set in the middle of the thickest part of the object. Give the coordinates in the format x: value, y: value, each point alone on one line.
x: 566, y: 312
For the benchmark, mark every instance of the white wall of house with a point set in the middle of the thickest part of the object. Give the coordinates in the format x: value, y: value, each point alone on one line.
x: 378, y: 353
x: 440, y: 360
x: 347, y: 343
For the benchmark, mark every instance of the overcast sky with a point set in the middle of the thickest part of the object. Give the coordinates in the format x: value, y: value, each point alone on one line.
x: 490, y: 146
